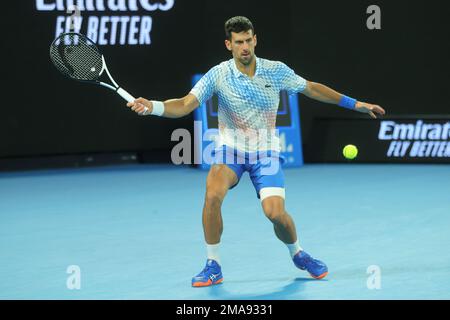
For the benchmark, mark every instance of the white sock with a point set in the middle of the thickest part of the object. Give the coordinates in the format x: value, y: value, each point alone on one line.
x: 294, y: 248
x: 212, y: 251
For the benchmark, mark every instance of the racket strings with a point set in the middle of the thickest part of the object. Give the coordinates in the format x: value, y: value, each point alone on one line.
x: 77, y: 57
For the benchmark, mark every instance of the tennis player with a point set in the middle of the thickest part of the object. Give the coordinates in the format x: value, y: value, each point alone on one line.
x: 248, y: 90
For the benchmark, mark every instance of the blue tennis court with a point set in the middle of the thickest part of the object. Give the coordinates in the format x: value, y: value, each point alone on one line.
x: 135, y: 232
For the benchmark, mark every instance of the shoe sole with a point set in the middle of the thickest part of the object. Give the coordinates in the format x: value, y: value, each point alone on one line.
x: 206, y: 284
x: 323, y: 275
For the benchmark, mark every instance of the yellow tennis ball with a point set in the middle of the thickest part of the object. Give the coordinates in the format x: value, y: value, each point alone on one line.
x: 350, y: 151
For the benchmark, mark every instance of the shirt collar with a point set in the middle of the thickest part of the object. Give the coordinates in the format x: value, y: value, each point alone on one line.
x: 238, y: 73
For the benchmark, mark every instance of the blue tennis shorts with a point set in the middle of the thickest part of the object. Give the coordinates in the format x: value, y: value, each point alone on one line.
x: 264, y: 167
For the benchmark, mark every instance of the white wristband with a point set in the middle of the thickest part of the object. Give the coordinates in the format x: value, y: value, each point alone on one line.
x: 158, y: 108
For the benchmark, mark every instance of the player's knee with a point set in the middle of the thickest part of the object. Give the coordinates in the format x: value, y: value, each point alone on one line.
x: 214, y: 198
x: 274, y: 210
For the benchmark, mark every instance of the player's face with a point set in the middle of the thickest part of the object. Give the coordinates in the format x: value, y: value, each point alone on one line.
x: 242, y: 46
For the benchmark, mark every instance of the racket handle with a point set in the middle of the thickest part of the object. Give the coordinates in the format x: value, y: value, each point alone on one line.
x: 125, y: 95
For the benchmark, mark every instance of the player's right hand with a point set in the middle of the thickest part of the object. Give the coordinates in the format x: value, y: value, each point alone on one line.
x: 141, y: 106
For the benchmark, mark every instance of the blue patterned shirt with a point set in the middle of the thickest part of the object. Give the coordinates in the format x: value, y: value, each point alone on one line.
x: 248, y: 106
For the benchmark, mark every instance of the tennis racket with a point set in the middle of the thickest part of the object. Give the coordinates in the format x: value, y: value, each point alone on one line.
x: 77, y: 57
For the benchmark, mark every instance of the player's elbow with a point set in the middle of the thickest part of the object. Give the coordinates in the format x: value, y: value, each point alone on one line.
x: 190, y: 103
x: 312, y: 89
x: 179, y: 108
x: 309, y: 89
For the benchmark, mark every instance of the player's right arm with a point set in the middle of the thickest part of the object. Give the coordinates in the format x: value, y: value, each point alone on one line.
x: 177, y: 108
x: 173, y: 108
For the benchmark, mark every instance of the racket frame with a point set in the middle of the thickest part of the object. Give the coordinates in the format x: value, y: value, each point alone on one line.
x: 115, y: 87
x: 123, y: 93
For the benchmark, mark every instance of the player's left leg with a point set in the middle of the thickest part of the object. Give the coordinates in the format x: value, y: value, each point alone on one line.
x: 284, y: 227
x: 283, y: 224
x: 268, y: 178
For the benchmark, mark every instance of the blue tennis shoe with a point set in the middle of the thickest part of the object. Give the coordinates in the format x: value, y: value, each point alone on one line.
x: 316, y: 268
x: 210, y: 275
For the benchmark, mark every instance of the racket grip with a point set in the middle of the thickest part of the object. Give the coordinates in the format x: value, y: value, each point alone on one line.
x: 125, y: 95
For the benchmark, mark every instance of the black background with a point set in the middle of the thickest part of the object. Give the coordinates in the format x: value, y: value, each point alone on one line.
x: 404, y: 67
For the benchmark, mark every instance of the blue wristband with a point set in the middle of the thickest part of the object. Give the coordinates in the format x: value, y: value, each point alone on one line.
x: 347, y: 102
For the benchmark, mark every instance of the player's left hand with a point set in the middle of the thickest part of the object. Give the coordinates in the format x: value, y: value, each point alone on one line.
x: 371, y: 109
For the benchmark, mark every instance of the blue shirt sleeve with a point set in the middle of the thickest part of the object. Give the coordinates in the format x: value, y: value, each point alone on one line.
x: 205, y: 88
x: 290, y: 81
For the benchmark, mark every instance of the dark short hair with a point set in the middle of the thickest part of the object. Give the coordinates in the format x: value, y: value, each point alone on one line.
x: 237, y: 24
